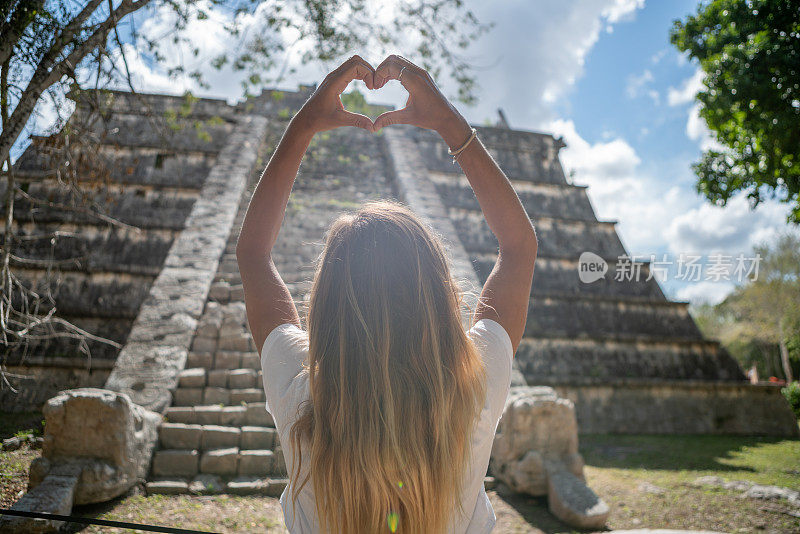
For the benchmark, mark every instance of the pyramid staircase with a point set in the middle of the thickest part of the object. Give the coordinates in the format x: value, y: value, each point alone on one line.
x: 217, y: 435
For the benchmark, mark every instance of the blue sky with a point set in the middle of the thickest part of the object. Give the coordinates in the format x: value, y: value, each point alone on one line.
x: 600, y: 73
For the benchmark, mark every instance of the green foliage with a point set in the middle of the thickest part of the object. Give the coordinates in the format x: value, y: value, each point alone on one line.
x: 753, y: 320
x: 749, y: 52
x: 356, y: 102
x: 792, y: 394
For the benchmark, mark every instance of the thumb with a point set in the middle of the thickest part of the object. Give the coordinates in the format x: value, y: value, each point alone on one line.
x: 400, y: 116
x: 348, y: 118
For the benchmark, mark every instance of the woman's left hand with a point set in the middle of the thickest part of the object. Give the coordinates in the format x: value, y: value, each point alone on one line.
x: 324, y: 109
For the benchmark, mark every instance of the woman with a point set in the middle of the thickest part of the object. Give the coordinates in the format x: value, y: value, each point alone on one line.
x: 386, y: 407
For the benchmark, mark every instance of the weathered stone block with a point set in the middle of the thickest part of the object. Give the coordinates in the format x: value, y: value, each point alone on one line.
x: 256, y: 462
x: 224, y: 359
x: 172, y: 462
x: 180, y: 436
x: 220, y: 291
x: 246, y: 395
x: 535, y: 451
x: 167, y: 487
x: 220, y: 461
x: 112, y: 436
x: 192, y: 378
x: 233, y: 416
x: 251, y: 360
x: 204, y: 344
x: 200, y: 359
x: 216, y: 396
x: 241, y: 342
x: 248, y: 485
x: 187, y: 396
x: 258, y: 437
x: 242, y: 379
x: 220, y: 437
x: 179, y: 414
x: 536, y: 426
x: 207, y: 415
x: 54, y: 495
x: 205, y: 484
x: 276, y: 486
x: 572, y: 501
x: 218, y: 378
x: 257, y: 415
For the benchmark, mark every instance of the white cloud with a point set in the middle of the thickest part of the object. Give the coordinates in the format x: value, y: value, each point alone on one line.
x: 622, y: 10
x: 729, y: 230
x: 530, y: 67
x: 636, y: 83
x: 677, y: 96
x: 619, y: 189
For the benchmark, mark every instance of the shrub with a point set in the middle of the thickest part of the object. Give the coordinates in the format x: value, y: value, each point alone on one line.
x: 792, y: 394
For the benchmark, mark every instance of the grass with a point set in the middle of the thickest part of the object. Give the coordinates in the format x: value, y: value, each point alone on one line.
x: 219, y: 513
x: 647, y: 482
x: 14, y: 464
x: 681, y: 459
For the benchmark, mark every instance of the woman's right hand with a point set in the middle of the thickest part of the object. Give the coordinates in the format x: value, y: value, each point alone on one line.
x: 426, y: 106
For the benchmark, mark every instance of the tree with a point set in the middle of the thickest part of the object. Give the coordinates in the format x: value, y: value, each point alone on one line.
x: 767, y: 309
x: 49, y: 48
x: 750, y: 54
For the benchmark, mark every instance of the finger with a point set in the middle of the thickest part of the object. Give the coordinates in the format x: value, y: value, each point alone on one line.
x: 401, y: 116
x: 348, y: 118
x: 354, y: 68
x: 391, y: 67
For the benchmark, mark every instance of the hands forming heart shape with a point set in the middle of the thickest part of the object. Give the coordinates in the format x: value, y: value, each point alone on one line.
x: 426, y: 106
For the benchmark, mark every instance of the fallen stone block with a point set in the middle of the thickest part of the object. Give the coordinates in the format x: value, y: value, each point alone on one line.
x: 54, y: 495
x: 572, y: 501
x: 109, y: 437
x: 535, y: 451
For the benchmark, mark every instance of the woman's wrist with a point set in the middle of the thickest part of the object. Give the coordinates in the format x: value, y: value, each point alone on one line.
x: 455, y: 131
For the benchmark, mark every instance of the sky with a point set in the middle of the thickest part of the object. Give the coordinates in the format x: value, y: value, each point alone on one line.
x: 603, y: 75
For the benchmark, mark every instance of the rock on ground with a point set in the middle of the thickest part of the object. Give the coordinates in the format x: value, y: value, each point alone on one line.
x: 535, y: 451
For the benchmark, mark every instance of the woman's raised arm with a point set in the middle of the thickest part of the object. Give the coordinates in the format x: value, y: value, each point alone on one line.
x: 267, y: 299
x: 506, y: 293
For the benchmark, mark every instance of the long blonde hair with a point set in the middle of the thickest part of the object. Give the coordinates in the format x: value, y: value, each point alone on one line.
x: 396, y: 384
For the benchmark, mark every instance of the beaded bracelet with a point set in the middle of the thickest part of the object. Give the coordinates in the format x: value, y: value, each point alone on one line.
x: 455, y: 153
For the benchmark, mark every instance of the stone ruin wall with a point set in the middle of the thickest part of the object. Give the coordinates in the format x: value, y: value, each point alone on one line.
x: 155, y: 171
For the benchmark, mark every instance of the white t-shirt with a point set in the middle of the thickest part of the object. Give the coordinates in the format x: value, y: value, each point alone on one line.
x: 286, y: 386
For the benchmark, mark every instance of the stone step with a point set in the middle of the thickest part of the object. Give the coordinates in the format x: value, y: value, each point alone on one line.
x: 248, y: 414
x: 557, y: 237
x: 208, y: 437
x: 225, y: 462
x: 539, y: 199
x: 216, y: 395
x: 198, y: 377
x: 223, y: 359
x: 204, y: 484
